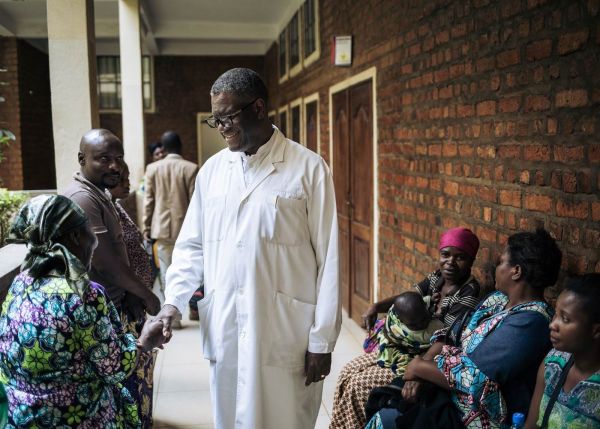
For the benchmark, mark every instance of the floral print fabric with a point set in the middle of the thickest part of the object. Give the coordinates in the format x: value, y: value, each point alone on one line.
x: 577, y: 409
x: 63, y: 357
x: 478, y: 397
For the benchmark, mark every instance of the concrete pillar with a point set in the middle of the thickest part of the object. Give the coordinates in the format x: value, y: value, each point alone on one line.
x: 132, y: 104
x: 72, y: 56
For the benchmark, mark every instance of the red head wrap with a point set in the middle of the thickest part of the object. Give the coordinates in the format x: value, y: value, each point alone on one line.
x: 461, y: 238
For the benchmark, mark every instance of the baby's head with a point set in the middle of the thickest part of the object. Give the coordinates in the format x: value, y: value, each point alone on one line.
x: 576, y: 324
x: 412, y: 311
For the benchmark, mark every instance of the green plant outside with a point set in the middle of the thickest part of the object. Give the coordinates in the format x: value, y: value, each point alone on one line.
x: 10, y: 201
x: 5, y: 138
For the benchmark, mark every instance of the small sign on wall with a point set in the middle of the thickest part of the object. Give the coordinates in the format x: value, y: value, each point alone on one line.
x: 341, y: 51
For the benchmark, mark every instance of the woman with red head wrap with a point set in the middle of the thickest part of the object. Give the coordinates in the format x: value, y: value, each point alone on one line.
x: 449, y: 292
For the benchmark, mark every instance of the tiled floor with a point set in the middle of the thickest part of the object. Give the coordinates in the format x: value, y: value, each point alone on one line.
x: 181, y: 395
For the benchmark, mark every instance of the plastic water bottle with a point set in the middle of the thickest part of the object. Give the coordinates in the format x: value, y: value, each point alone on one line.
x: 518, y: 421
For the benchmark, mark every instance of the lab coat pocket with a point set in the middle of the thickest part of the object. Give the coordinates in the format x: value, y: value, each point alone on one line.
x: 205, y: 310
x: 288, y: 220
x: 290, y: 328
x: 214, y: 218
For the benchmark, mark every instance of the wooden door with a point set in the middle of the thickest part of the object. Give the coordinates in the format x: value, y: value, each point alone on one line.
x: 353, y: 179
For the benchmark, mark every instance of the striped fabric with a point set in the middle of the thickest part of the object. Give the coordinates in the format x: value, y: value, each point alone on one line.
x: 452, y: 306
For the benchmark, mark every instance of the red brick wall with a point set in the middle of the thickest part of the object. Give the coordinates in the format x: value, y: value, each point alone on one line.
x: 29, y: 162
x: 488, y: 117
x: 11, y: 172
x: 182, y: 86
x: 36, y: 119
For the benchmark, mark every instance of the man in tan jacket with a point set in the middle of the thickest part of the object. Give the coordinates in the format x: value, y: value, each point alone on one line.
x: 169, y: 186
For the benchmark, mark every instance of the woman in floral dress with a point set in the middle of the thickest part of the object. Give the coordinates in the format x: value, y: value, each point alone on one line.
x: 140, y: 382
x: 63, y: 352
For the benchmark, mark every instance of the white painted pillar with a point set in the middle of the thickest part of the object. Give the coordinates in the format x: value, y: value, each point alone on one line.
x: 132, y: 103
x: 72, y: 56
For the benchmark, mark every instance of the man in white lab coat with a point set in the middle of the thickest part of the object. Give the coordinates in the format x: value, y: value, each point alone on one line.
x: 261, y: 234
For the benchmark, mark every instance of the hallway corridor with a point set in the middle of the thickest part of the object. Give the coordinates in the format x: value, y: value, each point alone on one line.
x: 181, y: 389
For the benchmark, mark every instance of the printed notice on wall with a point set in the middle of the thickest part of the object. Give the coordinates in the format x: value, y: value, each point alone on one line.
x: 342, y: 46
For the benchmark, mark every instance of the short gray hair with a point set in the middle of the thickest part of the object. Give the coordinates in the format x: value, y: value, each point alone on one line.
x: 242, y: 82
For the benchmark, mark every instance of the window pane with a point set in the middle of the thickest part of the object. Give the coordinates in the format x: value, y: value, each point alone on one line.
x: 146, y: 72
x: 147, y: 92
x: 283, y: 123
x: 309, y: 27
x: 296, y: 123
x: 282, y: 61
x: 311, y: 119
x: 109, y: 82
x: 294, y: 41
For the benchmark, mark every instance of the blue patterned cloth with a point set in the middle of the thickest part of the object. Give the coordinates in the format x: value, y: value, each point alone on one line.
x: 497, y: 361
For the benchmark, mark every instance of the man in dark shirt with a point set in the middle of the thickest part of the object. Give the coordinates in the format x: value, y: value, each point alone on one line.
x: 101, y: 160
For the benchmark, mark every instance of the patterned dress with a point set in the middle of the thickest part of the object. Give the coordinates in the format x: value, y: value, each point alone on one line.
x: 359, y: 376
x: 140, y: 382
x: 64, y: 356
x: 578, y: 409
x: 492, y: 375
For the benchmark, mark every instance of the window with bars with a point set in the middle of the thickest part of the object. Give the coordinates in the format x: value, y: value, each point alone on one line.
x: 282, y: 54
x: 294, y: 34
x: 283, y: 121
x: 310, y: 27
x: 109, y: 83
x: 295, y: 125
x: 299, y: 41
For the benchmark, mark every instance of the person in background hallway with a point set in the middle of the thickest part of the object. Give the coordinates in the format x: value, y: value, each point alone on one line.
x: 63, y: 352
x: 169, y: 189
x: 140, y: 386
x: 575, y: 335
x: 449, y: 292
x: 261, y: 235
x: 156, y: 151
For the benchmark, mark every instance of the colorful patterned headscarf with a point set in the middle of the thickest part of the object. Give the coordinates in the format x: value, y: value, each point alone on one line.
x: 461, y: 238
x: 39, y: 223
x: 398, y: 344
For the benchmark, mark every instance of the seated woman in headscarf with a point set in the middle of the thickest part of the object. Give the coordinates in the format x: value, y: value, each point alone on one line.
x: 449, y: 292
x: 63, y: 352
x: 489, y: 374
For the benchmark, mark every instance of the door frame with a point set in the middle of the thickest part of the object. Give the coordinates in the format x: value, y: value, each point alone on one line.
x: 368, y: 74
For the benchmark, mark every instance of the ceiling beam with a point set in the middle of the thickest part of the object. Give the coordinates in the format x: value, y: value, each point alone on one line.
x: 147, y: 31
x: 7, y: 26
x: 206, y: 30
x: 192, y: 47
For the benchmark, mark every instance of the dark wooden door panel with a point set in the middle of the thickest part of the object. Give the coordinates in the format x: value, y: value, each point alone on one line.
x: 344, y: 256
x: 361, y: 178
x: 361, y: 156
x: 353, y: 180
x: 361, y: 262
x: 340, y: 180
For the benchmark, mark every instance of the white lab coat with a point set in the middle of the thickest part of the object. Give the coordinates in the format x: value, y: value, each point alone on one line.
x: 268, y: 257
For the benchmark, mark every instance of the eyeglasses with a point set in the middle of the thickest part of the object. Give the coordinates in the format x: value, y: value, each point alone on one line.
x: 226, y: 120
